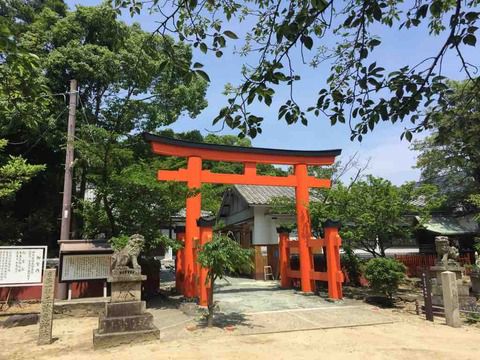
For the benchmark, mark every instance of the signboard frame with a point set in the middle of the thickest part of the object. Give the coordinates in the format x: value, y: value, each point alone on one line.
x: 73, y: 254
x: 44, y: 266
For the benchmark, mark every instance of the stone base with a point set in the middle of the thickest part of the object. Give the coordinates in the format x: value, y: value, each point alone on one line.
x: 124, y: 323
x: 438, y: 269
x: 464, y: 302
x: 102, y: 341
x: 475, y: 279
x: 463, y: 289
x: 83, y: 307
x: 127, y: 308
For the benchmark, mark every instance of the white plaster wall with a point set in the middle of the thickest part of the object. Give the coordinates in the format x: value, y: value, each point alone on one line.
x: 264, y: 228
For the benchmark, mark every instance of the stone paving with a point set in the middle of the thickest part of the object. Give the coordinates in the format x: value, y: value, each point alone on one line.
x: 250, y: 307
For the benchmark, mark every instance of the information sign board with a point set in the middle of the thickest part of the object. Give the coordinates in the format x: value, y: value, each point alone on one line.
x: 22, y: 265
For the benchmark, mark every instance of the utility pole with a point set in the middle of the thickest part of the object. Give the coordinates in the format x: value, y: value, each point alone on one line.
x: 67, y: 182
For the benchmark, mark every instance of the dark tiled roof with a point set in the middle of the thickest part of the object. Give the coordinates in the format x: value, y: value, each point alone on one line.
x: 262, y: 195
x: 183, y: 213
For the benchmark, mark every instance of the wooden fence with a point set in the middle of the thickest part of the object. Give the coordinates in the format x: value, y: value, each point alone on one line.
x: 415, y: 263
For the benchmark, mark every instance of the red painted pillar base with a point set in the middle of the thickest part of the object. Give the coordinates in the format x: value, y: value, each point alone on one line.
x: 206, y: 234
x: 284, y: 258
x: 334, y: 270
x: 179, y: 260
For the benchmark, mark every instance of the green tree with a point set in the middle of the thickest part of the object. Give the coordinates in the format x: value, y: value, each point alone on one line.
x: 374, y: 213
x: 222, y: 256
x: 341, y: 38
x: 385, y: 275
x: 130, y: 81
x: 450, y: 155
x: 14, y: 172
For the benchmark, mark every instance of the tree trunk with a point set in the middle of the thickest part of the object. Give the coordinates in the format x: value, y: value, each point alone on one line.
x: 111, y: 218
x: 211, y: 305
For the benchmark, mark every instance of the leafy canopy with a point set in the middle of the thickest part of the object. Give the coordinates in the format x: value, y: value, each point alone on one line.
x: 14, y: 171
x: 450, y: 155
x: 130, y: 81
x: 223, y: 256
x: 341, y: 39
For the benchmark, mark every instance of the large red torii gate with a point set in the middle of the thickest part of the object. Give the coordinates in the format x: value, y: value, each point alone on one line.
x: 194, y: 176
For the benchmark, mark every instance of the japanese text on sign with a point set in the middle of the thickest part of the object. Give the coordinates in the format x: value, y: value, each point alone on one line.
x: 22, y: 265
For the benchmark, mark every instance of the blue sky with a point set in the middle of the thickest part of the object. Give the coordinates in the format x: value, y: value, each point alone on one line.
x: 389, y: 157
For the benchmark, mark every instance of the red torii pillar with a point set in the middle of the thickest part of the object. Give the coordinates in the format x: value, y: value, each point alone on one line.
x: 206, y: 234
x: 303, y: 227
x: 284, y: 257
x: 333, y: 242
x: 192, y: 232
x: 179, y: 260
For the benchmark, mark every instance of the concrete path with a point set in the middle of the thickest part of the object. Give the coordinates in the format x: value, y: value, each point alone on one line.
x: 247, y: 307
x: 262, y: 307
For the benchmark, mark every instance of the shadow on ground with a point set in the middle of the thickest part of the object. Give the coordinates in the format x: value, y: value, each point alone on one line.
x: 225, y: 320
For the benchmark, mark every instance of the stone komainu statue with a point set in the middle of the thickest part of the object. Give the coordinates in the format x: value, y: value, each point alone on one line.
x: 446, y: 254
x: 129, y: 254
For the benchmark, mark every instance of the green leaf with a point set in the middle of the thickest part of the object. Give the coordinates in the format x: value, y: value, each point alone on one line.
x: 230, y: 34
x: 408, y: 136
x: 363, y: 53
x: 203, y: 47
x: 307, y: 41
x: 470, y: 39
x: 197, y: 65
x: 436, y: 8
x: 203, y: 74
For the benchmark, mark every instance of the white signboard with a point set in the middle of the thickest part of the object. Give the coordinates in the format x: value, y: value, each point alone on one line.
x: 22, y: 265
x: 264, y: 250
x: 86, y: 267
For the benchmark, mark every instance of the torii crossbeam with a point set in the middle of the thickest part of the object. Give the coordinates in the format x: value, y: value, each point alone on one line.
x: 194, y: 176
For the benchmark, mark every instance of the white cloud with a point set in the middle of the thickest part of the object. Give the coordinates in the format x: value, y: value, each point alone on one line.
x: 391, y: 159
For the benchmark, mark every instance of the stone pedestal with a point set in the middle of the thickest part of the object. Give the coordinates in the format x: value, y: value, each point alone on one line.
x: 475, y: 279
x: 450, y: 299
x: 463, y: 286
x: 125, y: 320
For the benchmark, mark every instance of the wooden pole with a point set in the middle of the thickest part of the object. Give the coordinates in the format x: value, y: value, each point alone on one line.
x: 69, y: 157
x: 427, y: 295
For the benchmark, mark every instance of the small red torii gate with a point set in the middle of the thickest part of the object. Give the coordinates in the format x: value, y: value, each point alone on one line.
x: 194, y: 176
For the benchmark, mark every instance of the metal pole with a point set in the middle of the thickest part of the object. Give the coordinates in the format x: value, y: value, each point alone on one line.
x: 67, y: 183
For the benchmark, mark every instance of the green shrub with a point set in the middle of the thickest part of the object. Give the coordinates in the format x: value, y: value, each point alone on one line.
x: 385, y: 275
x: 352, y: 265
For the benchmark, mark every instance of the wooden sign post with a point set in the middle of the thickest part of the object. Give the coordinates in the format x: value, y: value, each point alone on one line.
x: 427, y: 295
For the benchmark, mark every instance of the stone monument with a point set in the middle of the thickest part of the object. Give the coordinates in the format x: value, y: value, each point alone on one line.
x: 447, y: 260
x: 46, y: 311
x: 125, y: 320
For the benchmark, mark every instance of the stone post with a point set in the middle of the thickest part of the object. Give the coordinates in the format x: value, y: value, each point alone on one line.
x: 46, y: 311
x: 450, y: 299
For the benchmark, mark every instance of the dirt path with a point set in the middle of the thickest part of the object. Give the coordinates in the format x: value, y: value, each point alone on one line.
x: 409, y: 337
